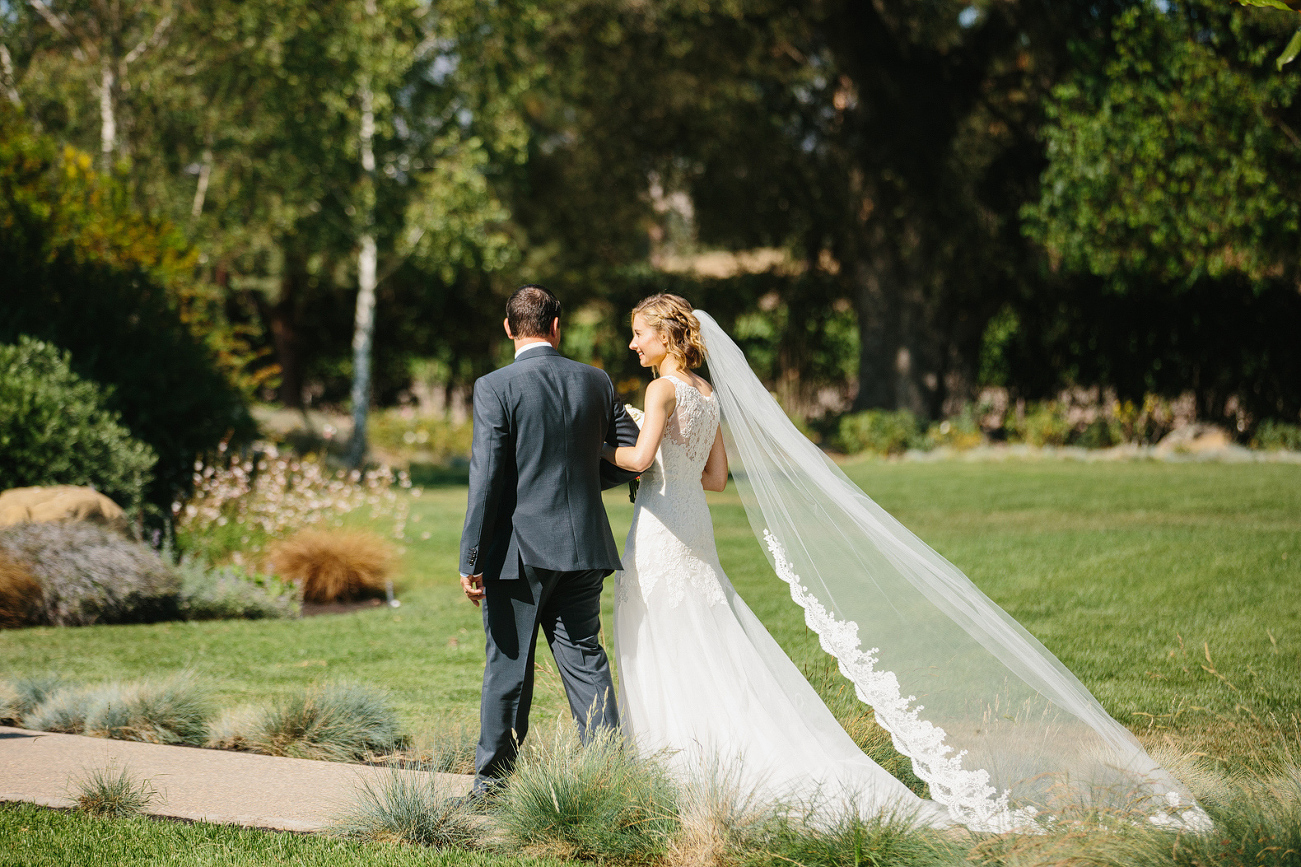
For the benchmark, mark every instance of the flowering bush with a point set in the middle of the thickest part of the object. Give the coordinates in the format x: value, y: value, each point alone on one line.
x: 241, y: 502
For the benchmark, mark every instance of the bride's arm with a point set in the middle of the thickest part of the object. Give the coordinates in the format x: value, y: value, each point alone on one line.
x: 660, y: 400
x: 714, y: 478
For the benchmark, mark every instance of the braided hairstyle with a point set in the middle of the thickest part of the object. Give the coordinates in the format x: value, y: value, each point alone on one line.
x: 671, y: 316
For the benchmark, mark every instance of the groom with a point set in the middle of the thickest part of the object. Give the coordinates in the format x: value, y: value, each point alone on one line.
x: 537, y: 546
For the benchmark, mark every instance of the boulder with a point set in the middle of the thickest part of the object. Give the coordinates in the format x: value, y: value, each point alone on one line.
x: 1195, y: 439
x: 60, y: 503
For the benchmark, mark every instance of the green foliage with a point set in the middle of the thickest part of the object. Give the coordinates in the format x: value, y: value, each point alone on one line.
x: 598, y: 801
x: 1271, y: 434
x: 228, y: 592
x: 113, y: 793
x: 426, y: 439
x: 879, y: 431
x: 56, y: 428
x: 90, y: 575
x: 337, y: 722
x: 1171, y: 166
x: 410, y: 807
x: 1169, y: 209
x: 85, y: 272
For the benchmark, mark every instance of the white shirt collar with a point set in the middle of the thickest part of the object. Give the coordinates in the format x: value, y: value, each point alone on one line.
x: 529, y: 347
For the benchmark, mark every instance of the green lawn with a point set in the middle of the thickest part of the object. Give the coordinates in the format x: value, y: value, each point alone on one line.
x: 1130, y: 572
x: 38, y: 837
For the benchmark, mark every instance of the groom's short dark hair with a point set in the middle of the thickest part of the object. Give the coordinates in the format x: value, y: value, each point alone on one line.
x: 531, y: 310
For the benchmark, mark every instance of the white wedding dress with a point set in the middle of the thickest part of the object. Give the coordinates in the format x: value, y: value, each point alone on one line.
x: 700, y: 678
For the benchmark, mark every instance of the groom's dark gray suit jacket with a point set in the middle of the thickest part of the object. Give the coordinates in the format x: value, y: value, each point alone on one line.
x: 536, y: 472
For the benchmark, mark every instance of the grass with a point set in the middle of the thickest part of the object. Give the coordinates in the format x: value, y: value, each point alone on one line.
x: 112, y: 793
x: 36, y: 837
x: 409, y: 807
x: 1130, y: 572
x: 338, y: 722
x: 1169, y: 588
x: 599, y: 802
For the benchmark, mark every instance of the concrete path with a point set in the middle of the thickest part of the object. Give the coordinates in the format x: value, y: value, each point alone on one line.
x: 197, y: 784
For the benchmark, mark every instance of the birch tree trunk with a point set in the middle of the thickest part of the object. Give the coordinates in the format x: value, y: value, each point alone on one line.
x: 363, y: 334
x: 107, y: 117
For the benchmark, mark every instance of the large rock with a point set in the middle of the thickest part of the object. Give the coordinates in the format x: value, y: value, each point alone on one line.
x: 1195, y: 439
x: 60, y: 503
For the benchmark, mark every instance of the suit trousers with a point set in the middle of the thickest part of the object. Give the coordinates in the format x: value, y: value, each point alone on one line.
x: 567, y: 605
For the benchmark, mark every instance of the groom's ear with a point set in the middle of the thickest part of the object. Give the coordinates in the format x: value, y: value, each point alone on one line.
x: 505, y: 323
x: 555, y: 329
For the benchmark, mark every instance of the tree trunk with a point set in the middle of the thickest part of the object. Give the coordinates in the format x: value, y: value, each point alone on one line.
x: 107, y: 117
x: 282, y: 319
x: 363, y: 334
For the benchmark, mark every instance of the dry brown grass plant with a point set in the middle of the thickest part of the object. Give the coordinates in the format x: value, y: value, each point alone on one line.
x: 21, y: 595
x: 334, y: 566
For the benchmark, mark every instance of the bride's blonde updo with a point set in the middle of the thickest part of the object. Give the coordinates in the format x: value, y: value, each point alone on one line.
x: 671, y: 316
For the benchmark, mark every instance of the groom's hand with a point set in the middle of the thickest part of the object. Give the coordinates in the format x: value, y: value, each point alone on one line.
x: 473, y: 587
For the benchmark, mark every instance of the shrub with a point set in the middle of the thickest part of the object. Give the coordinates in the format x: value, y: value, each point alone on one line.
x: 882, y: 432
x: 338, y: 722
x: 20, y: 594
x: 56, y: 429
x: 1272, y: 434
x: 172, y: 711
x: 227, y: 593
x: 960, y: 432
x: 84, y: 270
x: 89, y: 575
x: 596, y: 802
x: 330, y: 566
x: 410, y: 807
x: 113, y: 793
x: 1044, y: 424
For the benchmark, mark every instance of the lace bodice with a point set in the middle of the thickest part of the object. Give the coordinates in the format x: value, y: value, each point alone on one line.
x: 671, y: 543
x: 688, y: 437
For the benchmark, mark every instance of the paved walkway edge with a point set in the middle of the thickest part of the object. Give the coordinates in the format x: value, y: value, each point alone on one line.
x: 196, y: 784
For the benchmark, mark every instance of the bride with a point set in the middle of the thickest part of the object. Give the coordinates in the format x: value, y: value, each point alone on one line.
x: 1000, y: 731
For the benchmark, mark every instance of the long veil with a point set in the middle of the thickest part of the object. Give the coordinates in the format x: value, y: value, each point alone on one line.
x: 998, y: 728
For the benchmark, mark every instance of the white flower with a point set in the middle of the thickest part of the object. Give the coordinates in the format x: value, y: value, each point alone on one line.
x: 635, y: 414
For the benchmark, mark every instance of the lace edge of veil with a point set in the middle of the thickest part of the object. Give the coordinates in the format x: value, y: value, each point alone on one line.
x: 967, y: 794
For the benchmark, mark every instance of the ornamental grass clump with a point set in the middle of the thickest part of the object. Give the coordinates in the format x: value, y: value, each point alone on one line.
x: 334, y: 566
x: 89, y: 575
x: 411, y: 807
x: 21, y: 597
x: 171, y: 711
x: 227, y: 593
x: 722, y: 820
x: 63, y: 711
x: 174, y: 710
x: 337, y: 722
x: 23, y: 694
x: 811, y: 838
x: 599, y: 801
x: 113, y: 793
